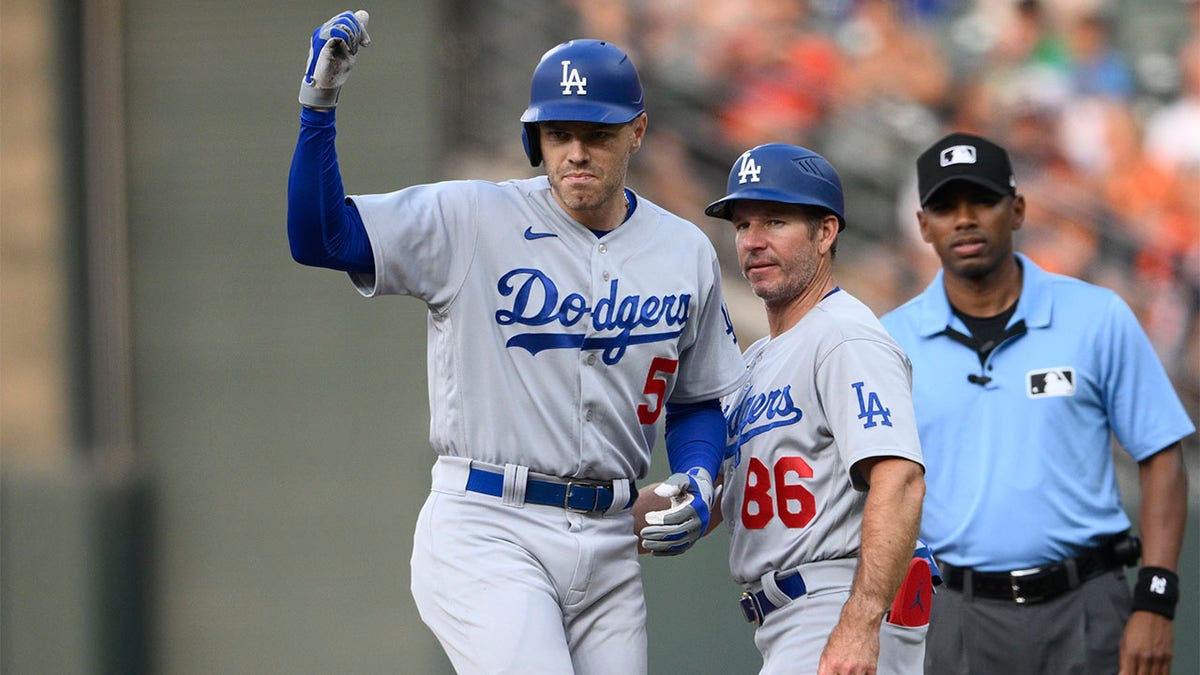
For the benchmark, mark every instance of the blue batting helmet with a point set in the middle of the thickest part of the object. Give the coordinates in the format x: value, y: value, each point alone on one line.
x: 581, y: 81
x: 778, y: 172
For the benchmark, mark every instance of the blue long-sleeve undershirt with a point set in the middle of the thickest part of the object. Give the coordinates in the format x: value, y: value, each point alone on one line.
x: 324, y: 228
x: 695, y: 435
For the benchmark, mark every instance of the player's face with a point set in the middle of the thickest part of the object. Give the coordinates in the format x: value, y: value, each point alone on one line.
x: 586, y: 163
x: 971, y: 228
x: 780, y: 248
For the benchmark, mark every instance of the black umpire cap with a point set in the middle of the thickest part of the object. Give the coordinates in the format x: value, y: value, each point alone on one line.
x: 960, y: 156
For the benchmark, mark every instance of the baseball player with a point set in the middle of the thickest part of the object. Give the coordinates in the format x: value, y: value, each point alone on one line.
x: 823, y: 479
x: 568, y: 316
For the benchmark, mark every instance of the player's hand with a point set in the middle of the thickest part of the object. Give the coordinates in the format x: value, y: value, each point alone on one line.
x: 846, y: 654
x: 1147, y: 647
x: 673, y: 531
x: 853, y: 646
x: 331, y: 55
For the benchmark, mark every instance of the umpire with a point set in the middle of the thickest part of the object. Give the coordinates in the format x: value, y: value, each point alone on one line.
x: 1021, y: 378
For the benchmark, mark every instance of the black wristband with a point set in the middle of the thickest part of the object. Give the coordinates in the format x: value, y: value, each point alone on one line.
x: 1157, y: 590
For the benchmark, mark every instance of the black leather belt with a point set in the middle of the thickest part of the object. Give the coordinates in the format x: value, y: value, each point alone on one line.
x: 585, y: 496
x: 1035, y: 584
x: 756, y: 606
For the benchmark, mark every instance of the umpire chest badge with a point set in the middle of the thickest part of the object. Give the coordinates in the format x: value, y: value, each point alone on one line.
x: 1050, y: 382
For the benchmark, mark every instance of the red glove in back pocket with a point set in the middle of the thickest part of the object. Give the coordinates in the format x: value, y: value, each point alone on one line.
x: 914, y: 599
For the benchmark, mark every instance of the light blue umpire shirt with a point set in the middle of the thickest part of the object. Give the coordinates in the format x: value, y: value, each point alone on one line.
x: 1019, y: 468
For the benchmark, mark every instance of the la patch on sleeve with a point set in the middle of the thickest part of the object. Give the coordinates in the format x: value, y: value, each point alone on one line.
x: 869, y: 407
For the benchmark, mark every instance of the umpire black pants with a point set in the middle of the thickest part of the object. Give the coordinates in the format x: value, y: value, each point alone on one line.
x: 1077, y: 633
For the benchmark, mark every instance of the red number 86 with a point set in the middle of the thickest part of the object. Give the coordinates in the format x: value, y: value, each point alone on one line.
x: 796, y: 505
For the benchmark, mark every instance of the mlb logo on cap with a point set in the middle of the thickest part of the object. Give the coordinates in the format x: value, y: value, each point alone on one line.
x: 958, y: 154
x: 965, y: 157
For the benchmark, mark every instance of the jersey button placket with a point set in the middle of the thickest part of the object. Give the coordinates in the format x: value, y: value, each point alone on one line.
x: 592, y: 371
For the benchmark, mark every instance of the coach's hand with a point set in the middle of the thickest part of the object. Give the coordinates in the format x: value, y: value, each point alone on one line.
x: 673, y: 531
x: 331, y: 55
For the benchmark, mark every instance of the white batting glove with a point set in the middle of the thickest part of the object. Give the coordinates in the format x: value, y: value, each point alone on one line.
x: 674, y: 530
x: 331, y: 55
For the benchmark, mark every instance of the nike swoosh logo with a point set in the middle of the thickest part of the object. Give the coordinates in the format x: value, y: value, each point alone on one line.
x: 531, y: 235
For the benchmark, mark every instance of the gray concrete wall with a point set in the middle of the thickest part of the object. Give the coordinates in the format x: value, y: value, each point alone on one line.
x: 283, y: 418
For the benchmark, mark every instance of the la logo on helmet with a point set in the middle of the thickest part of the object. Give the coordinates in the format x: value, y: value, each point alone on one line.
x: 749, y: 171
x: 572, y: 79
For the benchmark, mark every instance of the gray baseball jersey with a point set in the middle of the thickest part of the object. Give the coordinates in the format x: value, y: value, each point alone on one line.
x: 549, y: 347
x: 552, y: 351
x: 832, y: 390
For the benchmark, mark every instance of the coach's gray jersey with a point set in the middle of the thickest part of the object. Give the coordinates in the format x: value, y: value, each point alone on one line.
x: 526, y: 301
x: 832, y: 390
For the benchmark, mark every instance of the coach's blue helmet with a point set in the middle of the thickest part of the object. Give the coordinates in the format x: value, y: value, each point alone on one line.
x: 581, y: 81
x: 778, y: 172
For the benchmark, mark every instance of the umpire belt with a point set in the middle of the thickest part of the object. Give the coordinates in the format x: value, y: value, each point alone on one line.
x: 780, y: 588
x: 517, y: 485
x: 1045, y: 582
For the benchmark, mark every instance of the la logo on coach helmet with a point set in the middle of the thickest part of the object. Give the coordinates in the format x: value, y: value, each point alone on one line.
x: 749, y: 171
x: 958, y: 154
x: 784, y: 173
x: 572, y: 79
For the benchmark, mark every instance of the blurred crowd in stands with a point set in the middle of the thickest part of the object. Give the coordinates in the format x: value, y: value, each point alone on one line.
x: 1105, y: 138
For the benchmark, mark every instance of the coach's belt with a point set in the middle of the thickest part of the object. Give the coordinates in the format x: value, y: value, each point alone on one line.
x: 573, y: 494
x: 756, y: 606
x: 1037, y: 584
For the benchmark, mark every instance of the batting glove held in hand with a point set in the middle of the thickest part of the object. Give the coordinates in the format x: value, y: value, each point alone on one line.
x: 674, y: 530
x: 331, y: 55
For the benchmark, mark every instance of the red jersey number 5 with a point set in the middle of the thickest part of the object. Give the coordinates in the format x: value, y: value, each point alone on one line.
x: 657, y: 387
x: 793, y: 502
